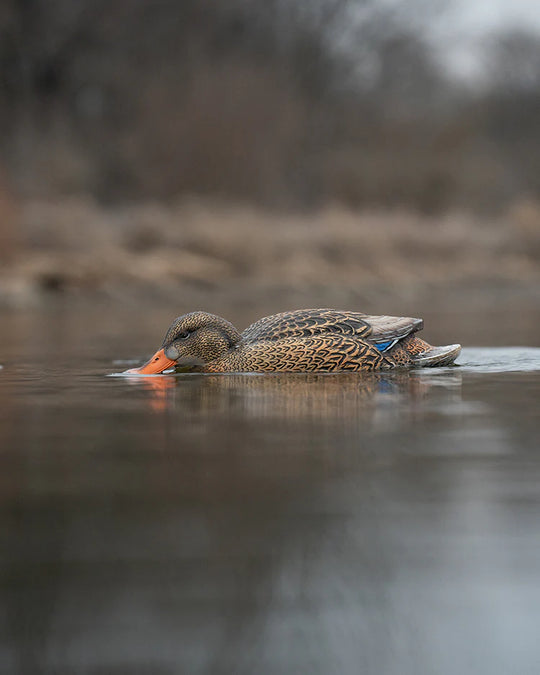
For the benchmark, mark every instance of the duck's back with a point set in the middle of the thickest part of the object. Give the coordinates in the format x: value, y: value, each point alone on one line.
x: 303, y: 323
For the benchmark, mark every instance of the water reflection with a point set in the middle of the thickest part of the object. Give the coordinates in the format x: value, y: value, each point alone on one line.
x: 371, y: 399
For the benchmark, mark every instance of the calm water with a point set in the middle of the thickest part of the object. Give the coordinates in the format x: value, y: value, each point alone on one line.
x: 385, y: 524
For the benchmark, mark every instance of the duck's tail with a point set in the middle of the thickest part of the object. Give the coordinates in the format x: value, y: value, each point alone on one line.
x: 437, y: 356
x: 417, y: 352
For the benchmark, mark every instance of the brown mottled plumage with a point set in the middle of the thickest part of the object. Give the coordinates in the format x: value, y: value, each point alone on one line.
x: 299, y: 341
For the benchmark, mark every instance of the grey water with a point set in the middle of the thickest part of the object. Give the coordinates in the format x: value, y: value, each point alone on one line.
x: 318, y: 523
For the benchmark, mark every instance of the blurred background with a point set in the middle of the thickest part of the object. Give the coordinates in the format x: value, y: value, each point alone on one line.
x: 330, y: 151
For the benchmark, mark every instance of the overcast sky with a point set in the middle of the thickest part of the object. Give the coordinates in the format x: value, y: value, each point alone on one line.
x: 484, y: 15
x: 467, y: 22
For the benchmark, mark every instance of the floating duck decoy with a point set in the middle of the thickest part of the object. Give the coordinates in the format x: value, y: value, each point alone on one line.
x: 305, y: 340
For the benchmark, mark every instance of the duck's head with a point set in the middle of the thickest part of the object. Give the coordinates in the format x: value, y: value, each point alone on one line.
x: 192, y: 340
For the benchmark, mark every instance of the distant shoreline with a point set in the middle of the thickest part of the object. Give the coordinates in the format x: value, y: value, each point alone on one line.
x: 241, y: 254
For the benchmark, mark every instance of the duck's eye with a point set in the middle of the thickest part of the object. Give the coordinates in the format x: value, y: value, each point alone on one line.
x: 184, y: 335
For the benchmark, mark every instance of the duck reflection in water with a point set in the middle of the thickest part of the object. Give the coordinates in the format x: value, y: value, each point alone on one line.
x: 373, y: 399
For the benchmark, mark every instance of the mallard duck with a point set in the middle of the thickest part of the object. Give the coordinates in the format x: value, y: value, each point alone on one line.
x: 304, y: 340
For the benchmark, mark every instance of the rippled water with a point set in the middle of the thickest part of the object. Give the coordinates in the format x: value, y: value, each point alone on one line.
x: 499, y: 359
x: 265, y: 523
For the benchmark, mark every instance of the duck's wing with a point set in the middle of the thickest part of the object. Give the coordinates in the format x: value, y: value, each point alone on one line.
x: 386, y: 331
x: 382, y: 331
x: 307, y: 323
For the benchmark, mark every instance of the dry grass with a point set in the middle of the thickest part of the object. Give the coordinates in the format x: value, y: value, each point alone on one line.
x: 76, y: 244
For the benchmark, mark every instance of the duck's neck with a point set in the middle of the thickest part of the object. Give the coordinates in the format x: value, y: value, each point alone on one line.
x: 229, y: 333
x: 222, y: 338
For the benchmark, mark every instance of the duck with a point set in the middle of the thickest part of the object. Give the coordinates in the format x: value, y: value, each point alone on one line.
x: 304, y: 340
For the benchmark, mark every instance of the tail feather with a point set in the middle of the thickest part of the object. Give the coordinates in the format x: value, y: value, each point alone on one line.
x: 387, y: 328
x: 437, y: 356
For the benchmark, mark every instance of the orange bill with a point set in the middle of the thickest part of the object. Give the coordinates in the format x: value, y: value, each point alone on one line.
x: 157, y: 364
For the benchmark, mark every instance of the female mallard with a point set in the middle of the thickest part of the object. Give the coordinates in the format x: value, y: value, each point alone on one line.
x: 299, y: 341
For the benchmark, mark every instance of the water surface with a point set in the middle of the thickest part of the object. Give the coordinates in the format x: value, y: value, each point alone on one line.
x: 384, y: 523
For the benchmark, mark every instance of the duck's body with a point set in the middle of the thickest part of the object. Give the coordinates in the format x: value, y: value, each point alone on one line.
x: 304, y: 340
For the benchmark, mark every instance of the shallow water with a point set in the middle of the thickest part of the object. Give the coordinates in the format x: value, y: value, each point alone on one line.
x: 265, y: 524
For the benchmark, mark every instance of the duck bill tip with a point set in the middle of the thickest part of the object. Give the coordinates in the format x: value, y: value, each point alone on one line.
x: 156, y: 364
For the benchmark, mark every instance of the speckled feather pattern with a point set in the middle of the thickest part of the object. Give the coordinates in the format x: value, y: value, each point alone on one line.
x: 302, y: 354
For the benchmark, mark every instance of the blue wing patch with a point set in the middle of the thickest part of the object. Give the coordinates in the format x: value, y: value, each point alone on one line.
x: 385, y: 346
